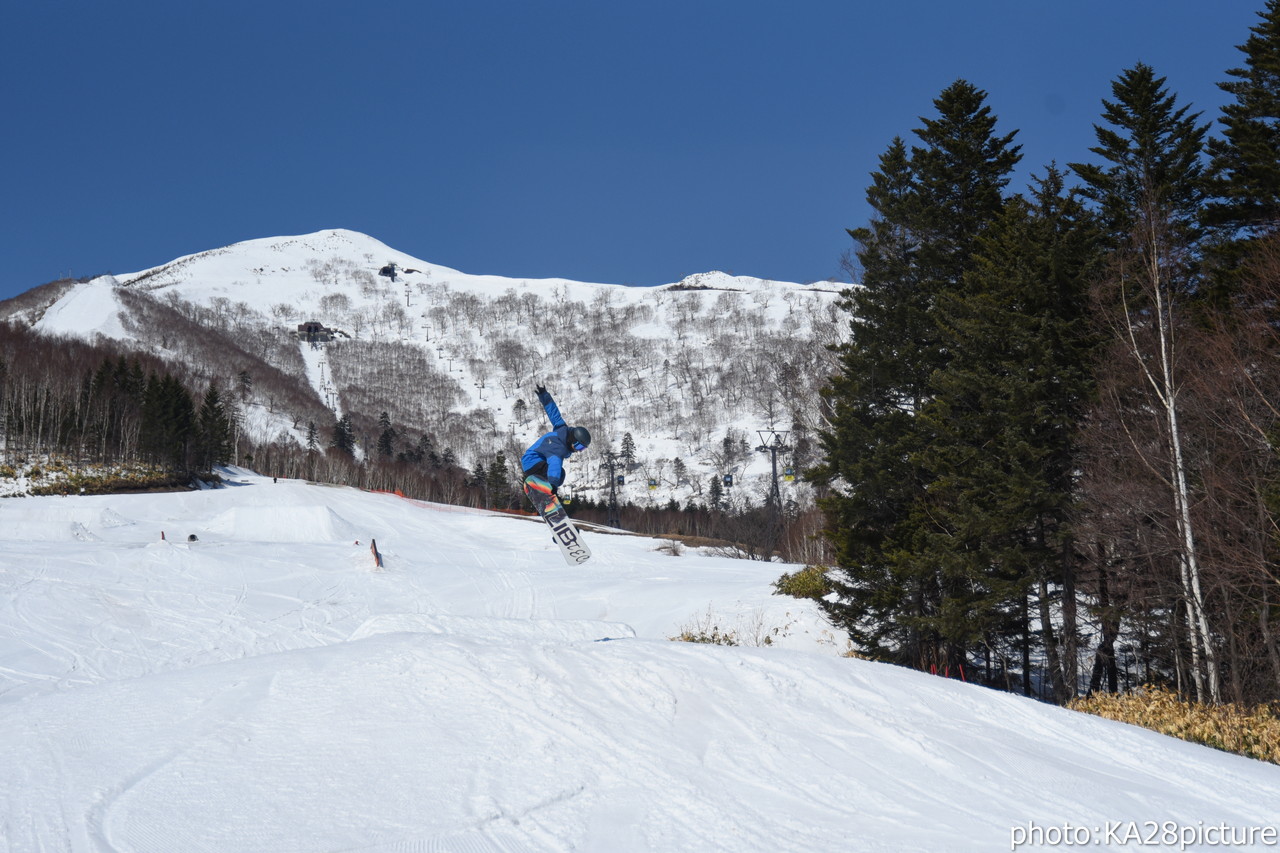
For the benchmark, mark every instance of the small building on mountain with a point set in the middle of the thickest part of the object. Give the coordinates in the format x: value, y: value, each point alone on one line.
x: 313, y: 331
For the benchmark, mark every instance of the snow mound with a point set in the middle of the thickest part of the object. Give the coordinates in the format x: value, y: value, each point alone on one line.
x: 283, y: 524
x: 490, y: 630
x: 50, y: 531
x: 50, y: 522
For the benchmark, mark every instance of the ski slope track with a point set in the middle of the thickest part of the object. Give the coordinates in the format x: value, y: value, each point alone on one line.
x: 266, y: 688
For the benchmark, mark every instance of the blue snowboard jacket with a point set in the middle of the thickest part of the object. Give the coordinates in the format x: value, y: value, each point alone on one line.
x: 553, y: 448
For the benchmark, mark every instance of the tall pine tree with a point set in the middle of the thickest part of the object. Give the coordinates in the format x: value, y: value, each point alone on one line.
x: 1154, y: 176
x: 214, y: 431
x: 1150, y: 190
x: 386, y: 436
x: 1004, y: 416
x: 344, y: 438
x: 1245, y: 161
x: 497, y: 482
x: 931, y: 206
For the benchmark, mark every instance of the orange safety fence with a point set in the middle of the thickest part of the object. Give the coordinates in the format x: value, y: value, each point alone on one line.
x: 463, y: 510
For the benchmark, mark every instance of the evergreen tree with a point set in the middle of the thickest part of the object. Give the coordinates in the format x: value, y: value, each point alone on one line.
x: 386, y: 436
x: 1245, y: 161
x: 214, y: 432
x: 1004, y: 418
x: 872, y: 398
x: 497, y: 481
x: 931, y: 207
x: 629, y: 451
x: 313, y: 437
x: 413, y: 454
x: 1149, y: 193
x: 110, y: 402
x: 427, y: 451
x: 716, y: 493
x: 961, y: 173
x: 136, y: 379
x: 344, y: 439
x: 168, y: 417
x: 1155, y: 177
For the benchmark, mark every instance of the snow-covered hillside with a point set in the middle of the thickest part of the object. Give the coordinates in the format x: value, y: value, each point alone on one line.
x: 265, y: 688
x: 680, y: 367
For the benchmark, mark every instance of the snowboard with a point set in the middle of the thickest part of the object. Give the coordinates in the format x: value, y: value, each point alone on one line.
x: 575, y: 551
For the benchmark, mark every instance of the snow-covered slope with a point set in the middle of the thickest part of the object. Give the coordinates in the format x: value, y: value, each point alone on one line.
x: 88, y: 309
x: 264, y: 688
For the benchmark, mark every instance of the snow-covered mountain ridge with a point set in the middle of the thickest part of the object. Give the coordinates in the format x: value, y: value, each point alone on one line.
x: 681, y: 367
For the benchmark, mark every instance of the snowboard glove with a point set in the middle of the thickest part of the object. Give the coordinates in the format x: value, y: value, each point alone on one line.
x: 541, y: 389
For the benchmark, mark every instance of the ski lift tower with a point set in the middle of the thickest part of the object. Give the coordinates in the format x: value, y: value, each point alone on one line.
x: 611, y: 461
x: 773, y: 443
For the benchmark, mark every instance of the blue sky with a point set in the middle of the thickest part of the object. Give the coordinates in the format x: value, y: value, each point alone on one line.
x: 631, y: 143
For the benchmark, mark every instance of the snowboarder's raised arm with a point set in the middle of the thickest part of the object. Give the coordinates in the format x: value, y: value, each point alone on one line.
x: 552, y: 410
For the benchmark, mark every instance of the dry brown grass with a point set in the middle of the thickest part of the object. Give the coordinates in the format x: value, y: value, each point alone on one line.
x: 1252, y: 732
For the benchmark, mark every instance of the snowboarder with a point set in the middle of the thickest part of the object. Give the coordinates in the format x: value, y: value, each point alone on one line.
x: 545, y: 457
x: 543, y: 465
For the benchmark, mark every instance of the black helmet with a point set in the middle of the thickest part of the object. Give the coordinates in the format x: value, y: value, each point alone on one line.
x: 580, y: 435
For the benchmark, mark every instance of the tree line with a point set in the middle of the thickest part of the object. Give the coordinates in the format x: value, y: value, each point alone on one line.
x: 103, y: 406
x: 93, y: 405
x: 1051, y: 447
